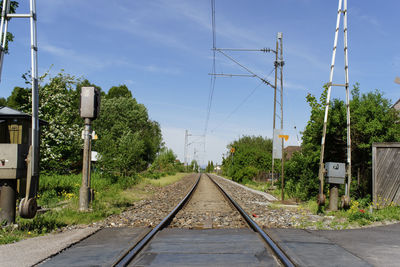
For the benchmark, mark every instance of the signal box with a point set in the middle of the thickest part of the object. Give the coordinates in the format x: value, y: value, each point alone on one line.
x: 335, y: 172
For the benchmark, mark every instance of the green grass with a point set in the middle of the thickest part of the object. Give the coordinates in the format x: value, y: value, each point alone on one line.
x: 264, y: 187
x: 60, y: 193
x: 360, y: 213
x: 167, y: 180
x: 365, y: 215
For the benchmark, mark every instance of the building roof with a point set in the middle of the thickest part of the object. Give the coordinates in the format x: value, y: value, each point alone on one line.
x: 396, y: 105
x: 289, y: 150
x: 6, y: 111
x: 10, y: 113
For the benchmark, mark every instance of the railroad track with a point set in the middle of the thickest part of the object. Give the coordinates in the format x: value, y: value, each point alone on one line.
x: 134, y: 251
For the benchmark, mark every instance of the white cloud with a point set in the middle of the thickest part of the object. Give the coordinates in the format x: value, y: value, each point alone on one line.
x: 81, y: 58
x: 96, y: 63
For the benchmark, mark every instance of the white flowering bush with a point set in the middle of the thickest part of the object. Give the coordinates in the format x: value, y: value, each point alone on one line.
x: 60, y: 143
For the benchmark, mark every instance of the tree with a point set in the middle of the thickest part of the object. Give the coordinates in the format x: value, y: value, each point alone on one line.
x: 128, y: 139
x: 194, y: 166
x: 119, y: 91
x: 372, y: 120
x: 210, y: 166
x: 60, y: 147
x: 61, y: 139
x: 18, y: 97
x: 252, y: 155
x: 166, y: 162
x: 3, y: 102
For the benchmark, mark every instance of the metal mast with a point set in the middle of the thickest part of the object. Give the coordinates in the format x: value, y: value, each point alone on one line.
x: 35, y: 91
x: 321, y: 196
x: 185, y: 149
x: 4, y: 29
x: 28, y: 204
x: 5, y: 16
x: 277, y: 142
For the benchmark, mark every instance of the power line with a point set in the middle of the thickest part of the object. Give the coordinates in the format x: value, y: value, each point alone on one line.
x: 213, y: 78
x: 238, y: 106
x: 241, y: 103
x: 264, y: 80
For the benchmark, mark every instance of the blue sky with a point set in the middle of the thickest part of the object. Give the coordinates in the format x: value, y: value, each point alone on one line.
x: 161, y: 49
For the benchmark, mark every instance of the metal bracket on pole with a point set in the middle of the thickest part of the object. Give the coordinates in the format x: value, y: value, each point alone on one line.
x: 19, y: 16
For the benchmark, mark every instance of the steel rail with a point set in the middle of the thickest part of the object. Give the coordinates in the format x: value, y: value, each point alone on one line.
x: 278, y: 251
x: 125, y: 259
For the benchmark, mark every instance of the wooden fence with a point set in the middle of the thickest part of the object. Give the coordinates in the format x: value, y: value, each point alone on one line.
x: 386, y: 173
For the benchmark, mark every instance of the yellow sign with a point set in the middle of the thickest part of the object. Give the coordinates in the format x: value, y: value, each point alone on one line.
x: 232, y: 150
x: 286, y: 137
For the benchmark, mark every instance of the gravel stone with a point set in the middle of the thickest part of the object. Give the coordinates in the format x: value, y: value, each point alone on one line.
x: 149, y: 212
x: 207, y: 209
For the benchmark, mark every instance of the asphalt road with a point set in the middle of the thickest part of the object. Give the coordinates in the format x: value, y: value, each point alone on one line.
x: 374, y: 246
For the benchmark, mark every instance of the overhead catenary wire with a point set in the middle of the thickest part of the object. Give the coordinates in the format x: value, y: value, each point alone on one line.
x: 238, y: 106
x: 241, y: 103
x: 213, y: 78
x: 214, y: 74
x: 263, y: 79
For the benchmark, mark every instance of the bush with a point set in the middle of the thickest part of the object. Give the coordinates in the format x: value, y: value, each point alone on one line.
x: 164, y: 164
x: 252, y: 155
x: 128, y: 140
x: 301, y: 180
x: 247, y: 173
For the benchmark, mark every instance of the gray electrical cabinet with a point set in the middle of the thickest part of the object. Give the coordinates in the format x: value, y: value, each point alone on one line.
x: 335, y: 172
x: 12, y: 161
x: 90, y: 102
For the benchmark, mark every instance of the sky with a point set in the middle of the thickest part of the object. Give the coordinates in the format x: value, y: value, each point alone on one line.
x: 161, y: 49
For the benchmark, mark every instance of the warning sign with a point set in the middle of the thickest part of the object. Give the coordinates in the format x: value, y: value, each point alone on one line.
x: 286, y: 137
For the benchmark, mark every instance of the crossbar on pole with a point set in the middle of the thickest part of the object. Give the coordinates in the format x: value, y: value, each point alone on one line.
x: 19, y: 15
x: 265, y: 50
x: 232, y: 75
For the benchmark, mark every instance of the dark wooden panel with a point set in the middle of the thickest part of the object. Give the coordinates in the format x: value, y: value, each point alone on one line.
x: 386, y: 173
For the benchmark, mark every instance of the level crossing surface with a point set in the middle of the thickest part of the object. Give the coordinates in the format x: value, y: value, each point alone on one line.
x: 374, y: 246
x: 206, y: 243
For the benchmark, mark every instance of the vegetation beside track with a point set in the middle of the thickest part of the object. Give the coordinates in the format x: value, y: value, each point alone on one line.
x: 373, y: 120
x: 59, y: 195
x: 362, y: 212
